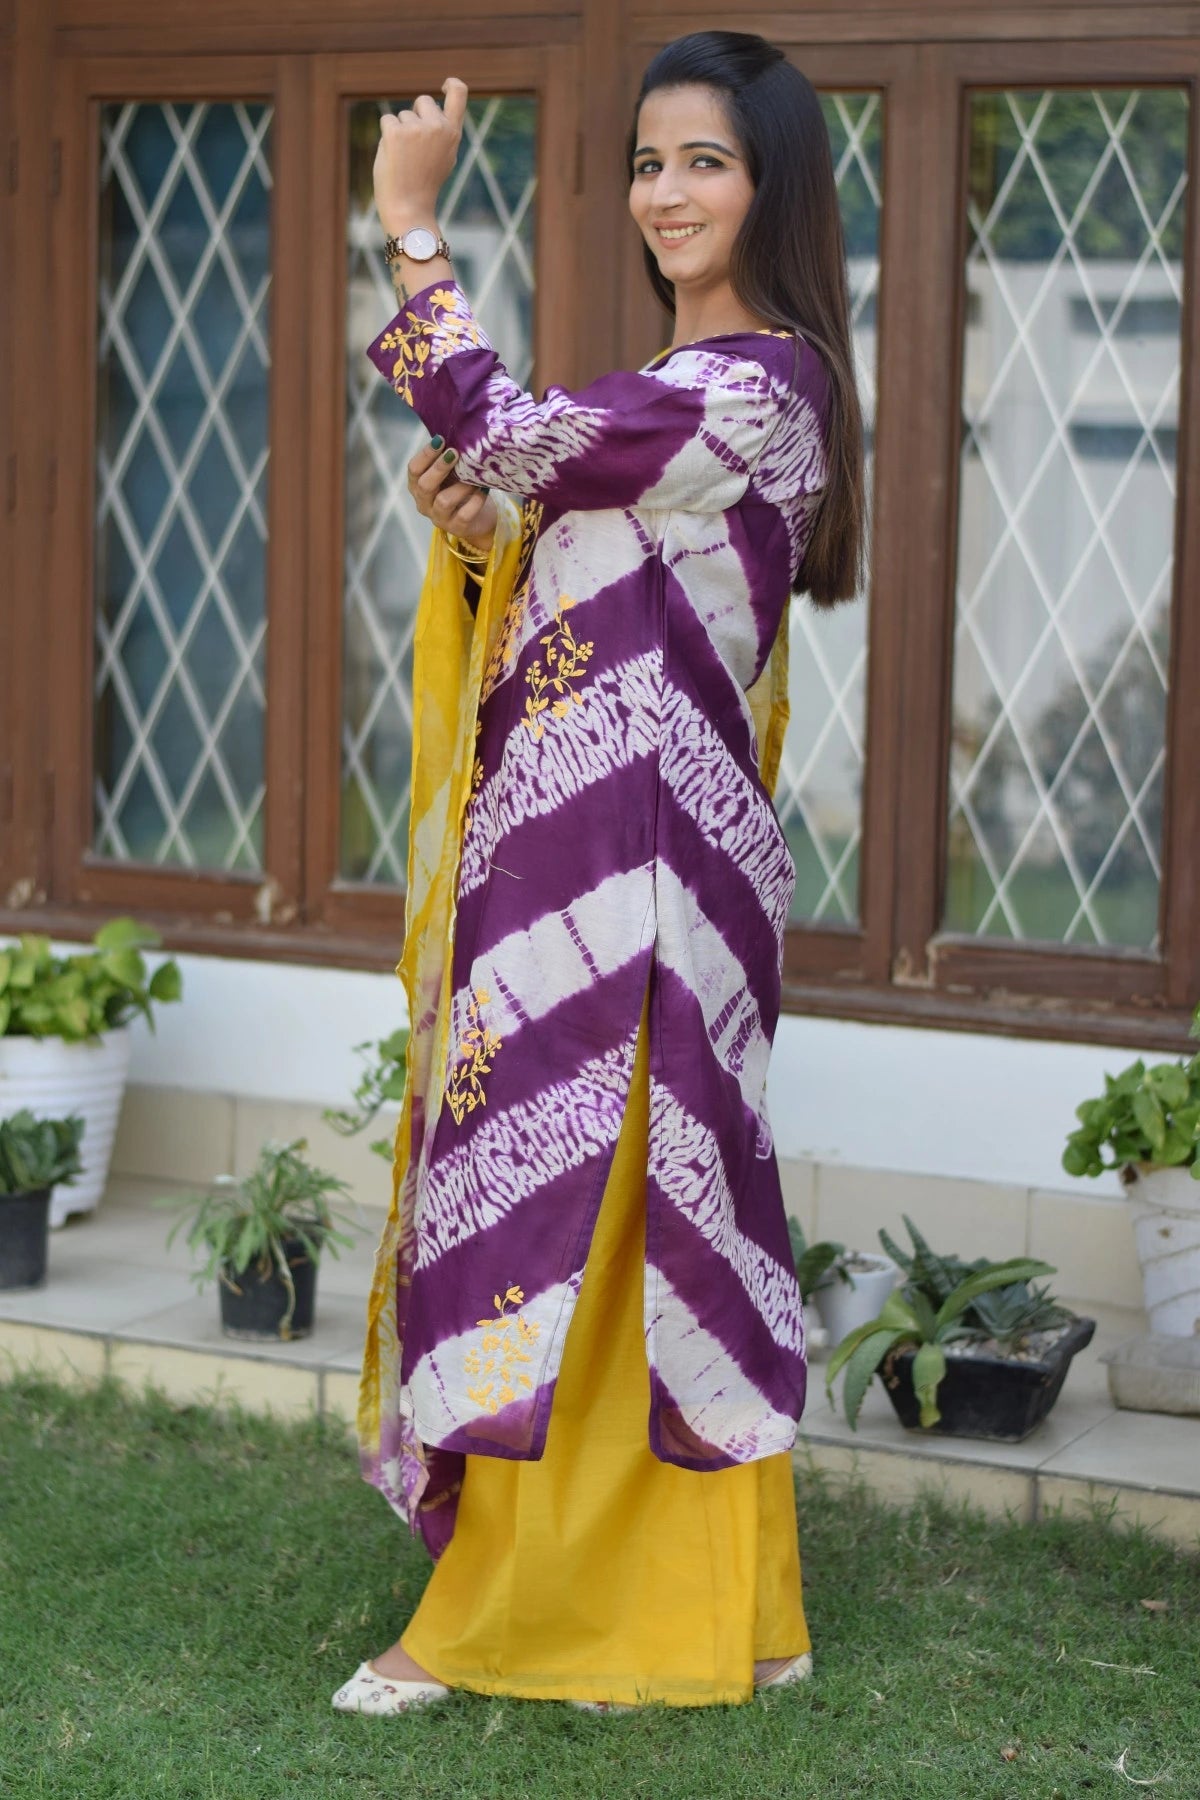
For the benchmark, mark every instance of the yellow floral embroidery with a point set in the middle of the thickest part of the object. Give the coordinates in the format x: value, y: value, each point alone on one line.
x: 451, y: 329
x: 566, y: 662
x: 476, y: 780
x: 505, y: 647
x: 505, y: 1344
x: 472, y: 1060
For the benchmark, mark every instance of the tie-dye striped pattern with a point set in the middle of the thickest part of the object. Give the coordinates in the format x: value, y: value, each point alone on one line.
x: 617, y: 832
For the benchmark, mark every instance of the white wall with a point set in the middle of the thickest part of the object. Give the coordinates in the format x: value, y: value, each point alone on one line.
x: 868, y: 1096
x: 934, y: 1102
x: 276, y: 1031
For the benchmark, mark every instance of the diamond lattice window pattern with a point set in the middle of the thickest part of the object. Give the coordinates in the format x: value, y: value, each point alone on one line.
x: 819, y: 794
x: 1067, y: 514
x: 487, y: 213
x: 181, y: 455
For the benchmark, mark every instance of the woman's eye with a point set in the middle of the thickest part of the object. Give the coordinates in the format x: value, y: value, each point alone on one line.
x: 646, y: 167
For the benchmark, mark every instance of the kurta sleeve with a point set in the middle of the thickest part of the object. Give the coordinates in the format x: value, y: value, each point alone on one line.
x: 684, y: 437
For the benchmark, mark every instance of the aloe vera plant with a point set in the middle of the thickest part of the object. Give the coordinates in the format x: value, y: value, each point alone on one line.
x: 908, y: 1317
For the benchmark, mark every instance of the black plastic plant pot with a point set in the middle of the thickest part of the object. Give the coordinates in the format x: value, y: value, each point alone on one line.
x: 24, y: 1236
x: 258, y: 1307
x: 989, y: 1396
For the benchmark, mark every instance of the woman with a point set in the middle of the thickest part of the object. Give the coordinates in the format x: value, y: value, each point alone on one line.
x: 598, y: 889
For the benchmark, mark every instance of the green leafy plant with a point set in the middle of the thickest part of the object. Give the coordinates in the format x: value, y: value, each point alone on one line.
x: 814, y: 1262
x: 1145, y: 1115
x: 90, y: 991
x: 820, y: 1265
x: 38, y: 1153
x: 909, y: 1318
x: 382, y: 1080
x: 247, y: 1224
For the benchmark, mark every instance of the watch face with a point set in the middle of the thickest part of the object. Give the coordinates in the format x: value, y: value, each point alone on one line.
x: 420, y: 244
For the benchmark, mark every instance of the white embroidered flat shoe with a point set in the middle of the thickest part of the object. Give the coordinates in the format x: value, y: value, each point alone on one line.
x: 601, y: 1706
x: 367, y: 1691
x: 799, y: 1669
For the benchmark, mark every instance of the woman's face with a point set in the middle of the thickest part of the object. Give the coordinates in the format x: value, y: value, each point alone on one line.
x: 688, y: 170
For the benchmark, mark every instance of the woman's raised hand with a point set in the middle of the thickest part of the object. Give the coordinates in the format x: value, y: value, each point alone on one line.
x: 457, y: 506
x: 418, y: 148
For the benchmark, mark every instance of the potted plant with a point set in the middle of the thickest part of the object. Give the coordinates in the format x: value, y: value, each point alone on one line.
x: 34, y: 1155
x: 262, y: 1237
x: 65, y: 1038
x: 381, y: 1083
x: 1146, y: 1125
x: 970, y: 1349
x: 847, y: 1287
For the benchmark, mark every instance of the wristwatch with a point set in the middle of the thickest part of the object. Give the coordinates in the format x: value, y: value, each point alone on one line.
x: 420, y: 244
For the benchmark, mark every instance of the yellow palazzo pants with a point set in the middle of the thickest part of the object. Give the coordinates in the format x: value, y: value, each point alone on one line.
x: 599, y: 1572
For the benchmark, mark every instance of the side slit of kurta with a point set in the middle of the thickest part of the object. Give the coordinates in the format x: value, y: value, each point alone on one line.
x: 599, y: 1572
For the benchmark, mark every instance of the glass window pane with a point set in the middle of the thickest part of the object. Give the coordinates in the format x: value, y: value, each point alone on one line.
x: 487, y: 213
x: 819, y: 796
x: 1067, y: 513
x: 181, y: 459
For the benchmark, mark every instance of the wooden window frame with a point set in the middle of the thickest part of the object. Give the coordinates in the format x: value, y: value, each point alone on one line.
x: 896, y: 965
x: 80, y: 879
x: 1050, y: 991
x: 298, y: 902
x: 336, y: 905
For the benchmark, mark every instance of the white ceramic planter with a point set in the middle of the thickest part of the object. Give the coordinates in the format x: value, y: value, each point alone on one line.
x: 844, y: 1306
x: 1166, y: 1230
x: 55, y: 1079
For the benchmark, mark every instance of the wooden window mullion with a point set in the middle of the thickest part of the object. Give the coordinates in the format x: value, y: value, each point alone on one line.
x: 27, y: 472
x: 1180, y: 912
x: 924, y: 477
x: 295, y: 230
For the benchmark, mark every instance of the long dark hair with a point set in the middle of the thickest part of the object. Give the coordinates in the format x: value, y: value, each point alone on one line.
x: 788, y: 264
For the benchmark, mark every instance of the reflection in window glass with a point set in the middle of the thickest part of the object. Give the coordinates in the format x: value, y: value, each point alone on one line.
x: 181, y: 494
x: 487, y: 213
x: 819, y: 796
x: 1067, y: 514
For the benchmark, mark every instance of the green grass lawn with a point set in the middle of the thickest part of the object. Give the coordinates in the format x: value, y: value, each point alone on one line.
x: 182, y: 1590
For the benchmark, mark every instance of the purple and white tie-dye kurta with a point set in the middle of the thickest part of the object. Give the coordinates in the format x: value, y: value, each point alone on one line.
x: 618, y: 836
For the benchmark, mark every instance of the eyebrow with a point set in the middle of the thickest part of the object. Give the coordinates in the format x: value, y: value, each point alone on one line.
x: 696, y: 144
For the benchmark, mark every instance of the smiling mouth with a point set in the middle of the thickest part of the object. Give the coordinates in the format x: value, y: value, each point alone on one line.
x: 677, y: 234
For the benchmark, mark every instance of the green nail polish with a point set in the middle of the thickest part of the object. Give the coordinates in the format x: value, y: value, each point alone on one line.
x: 437, y: 442
x: 449, y: 456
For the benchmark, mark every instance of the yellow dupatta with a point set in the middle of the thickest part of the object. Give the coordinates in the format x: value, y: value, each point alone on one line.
x: 451, y: 651
x: 451, y: 654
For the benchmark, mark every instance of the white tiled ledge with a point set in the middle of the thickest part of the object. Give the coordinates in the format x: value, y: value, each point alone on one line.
x: 173, y: 1135
x: 118, y: 1302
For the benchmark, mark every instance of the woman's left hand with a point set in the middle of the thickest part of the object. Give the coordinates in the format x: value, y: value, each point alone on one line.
x: 418, y: 148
